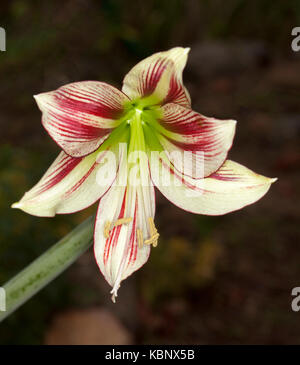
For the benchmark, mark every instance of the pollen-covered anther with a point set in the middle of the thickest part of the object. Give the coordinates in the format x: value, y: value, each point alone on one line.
x: 107, y: 229
x: 152, y: 240
x: 154, y: 234
x: 109, y: 226
x: 140, y: 238
x: 122, y: 221
x: 153, y: 229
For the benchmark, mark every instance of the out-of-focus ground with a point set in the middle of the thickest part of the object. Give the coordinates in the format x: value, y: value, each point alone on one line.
x: 211, y: 280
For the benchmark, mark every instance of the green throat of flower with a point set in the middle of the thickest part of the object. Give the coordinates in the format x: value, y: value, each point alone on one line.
x: 138, y: 127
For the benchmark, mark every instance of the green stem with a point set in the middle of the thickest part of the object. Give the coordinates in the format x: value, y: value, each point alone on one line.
x: 47, y: 267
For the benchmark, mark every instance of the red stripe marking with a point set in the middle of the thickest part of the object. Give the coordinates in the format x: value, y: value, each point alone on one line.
x: 107, y: 103
x: 176, y: 93
x: 80, y: 182
x: 114, y: 235
x: 61, y: 174
x: 152, y: 77
x: 225, y: 176
x: 132, y: 241
x: 67, y: 127
x: 186, y: 122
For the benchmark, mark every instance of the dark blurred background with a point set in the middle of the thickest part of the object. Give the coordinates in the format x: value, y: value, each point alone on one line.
x: 211, y: 280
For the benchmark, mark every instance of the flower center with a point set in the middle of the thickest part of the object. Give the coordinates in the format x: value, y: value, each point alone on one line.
x: 142, y: 115
x: 146, y: 109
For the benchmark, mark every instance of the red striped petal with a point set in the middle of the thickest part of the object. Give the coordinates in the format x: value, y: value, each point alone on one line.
x: 203, y: 143
x: 159, y: 76
x: 119, y: 255
x: 69, y: 185
x: 80, y: 116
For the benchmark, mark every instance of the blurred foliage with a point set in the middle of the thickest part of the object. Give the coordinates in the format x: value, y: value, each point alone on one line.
x: 23, y: 238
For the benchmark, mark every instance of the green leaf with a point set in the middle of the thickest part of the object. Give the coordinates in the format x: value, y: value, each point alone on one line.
x: 47, y: 267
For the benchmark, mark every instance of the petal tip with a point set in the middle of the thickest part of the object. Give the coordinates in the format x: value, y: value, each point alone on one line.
x: 231, y: 123
x: 37, y: 97
x: 113, y: 298
x: 114, y: 293
x: 16, y: 205
x: 268, y: 180
x: 230, y: 127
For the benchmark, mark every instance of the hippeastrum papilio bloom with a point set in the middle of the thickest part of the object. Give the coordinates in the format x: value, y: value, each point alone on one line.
x: 93, y: 122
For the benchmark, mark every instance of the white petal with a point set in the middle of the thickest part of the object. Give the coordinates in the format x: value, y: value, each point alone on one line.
x: 119, y: 255
x: 231, y: 188
x: 69, y: 185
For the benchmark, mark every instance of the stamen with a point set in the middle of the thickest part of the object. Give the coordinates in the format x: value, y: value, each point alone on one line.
x: 154, y: 234
x: 108, y: 226
x: 152, y: 240
x: 153, y: 229
x: 122, y: 221
x: 107, y: 229
x: 140, y: 238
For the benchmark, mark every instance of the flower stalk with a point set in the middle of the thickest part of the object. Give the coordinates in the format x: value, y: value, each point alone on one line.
x: 47, y: 267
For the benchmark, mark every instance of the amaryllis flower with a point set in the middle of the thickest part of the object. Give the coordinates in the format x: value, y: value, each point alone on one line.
x: 100, y: 129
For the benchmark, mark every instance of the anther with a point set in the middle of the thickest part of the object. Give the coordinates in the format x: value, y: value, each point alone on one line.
x: 154, y: 234
x: 140, y: 238
x: 153, y: 229
x: 107, y: 229
x: 152, y: 240
x: 108, y: 226
x: 122, y: 221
